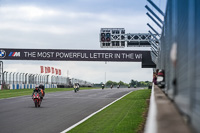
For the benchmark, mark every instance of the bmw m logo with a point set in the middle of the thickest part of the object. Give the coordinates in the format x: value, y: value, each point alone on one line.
x: 14, y: 54
x: 2, y: 53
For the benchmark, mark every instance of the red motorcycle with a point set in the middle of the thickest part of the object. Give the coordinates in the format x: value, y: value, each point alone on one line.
x: 36, y: 99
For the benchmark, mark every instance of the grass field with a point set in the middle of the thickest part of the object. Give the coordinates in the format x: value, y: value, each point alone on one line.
x: 124, y: 116
x: 23, y: 92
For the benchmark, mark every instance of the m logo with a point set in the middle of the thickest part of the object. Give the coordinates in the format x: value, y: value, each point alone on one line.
x: 14, y: 54
x: 2, y: 53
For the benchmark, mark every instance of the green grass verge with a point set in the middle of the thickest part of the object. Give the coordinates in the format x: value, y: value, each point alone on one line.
x: 23, y: 92
x: 124, y: 116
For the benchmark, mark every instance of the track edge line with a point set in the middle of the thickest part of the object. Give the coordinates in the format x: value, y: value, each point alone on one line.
x: 86, y: 118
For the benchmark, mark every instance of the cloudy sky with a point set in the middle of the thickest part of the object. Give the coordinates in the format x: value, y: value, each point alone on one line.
x: 73, y: 24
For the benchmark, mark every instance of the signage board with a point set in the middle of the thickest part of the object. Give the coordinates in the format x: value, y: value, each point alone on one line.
x: 72, y: 55
x: 78, y: 55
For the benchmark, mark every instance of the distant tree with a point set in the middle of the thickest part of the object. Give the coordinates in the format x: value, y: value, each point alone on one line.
x: 139, y: 83
x: 111, y: 83
x: 132, y: 83
x: 121, y: 83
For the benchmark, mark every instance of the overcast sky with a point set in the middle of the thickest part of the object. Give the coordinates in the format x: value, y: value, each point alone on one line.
x: 73, y: 24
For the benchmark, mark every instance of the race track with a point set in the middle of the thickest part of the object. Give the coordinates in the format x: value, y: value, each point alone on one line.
x: 58, y: 111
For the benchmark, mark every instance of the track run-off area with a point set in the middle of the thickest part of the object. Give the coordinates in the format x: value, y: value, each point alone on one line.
x: 58, y: 111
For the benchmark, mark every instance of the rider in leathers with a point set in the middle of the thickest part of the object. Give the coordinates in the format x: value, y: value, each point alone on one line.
x: 37, y: 89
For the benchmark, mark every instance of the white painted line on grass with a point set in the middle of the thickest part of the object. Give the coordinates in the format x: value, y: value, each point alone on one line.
x: 151, y: 124
x: 73, y: 126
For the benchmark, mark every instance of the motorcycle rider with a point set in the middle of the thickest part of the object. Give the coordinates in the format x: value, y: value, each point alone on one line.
x: 111, y: 86
x: 102, y: 86
x: 118, y: 86
x: 78, y: 86
x: 37, y: 89
x: 75, y: 87
x: 41, y: 87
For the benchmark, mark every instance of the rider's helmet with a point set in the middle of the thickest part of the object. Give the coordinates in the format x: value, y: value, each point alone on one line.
x: 41, y: 86
x: 36, y: 87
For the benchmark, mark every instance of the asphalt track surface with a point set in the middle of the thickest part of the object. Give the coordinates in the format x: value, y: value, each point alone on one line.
x: 58, y: 110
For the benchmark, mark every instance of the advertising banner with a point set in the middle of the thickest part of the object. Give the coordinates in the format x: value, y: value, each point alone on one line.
x: 72, y: 55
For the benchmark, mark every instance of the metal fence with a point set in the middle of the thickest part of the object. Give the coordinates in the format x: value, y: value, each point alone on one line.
x: 24, y: 78
x: 1, y: 72
x: 181, y: 29
x: 27, y: 78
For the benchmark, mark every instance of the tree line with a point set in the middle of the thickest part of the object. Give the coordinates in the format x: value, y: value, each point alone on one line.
x: 132, y: 83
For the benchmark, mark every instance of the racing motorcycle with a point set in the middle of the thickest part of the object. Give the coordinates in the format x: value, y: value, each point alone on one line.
x: 111, y: 86
x: 36, y: 99
x: 75, y: 90
x: 76, y: 87
x: 102, y: 86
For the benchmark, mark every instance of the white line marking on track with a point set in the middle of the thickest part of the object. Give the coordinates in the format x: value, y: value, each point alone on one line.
x: 73, y: 126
